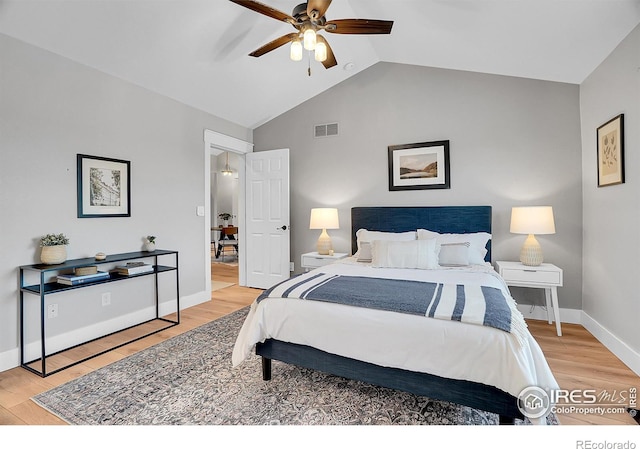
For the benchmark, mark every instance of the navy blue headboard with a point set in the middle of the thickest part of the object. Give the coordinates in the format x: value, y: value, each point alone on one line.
x: 442, y: 219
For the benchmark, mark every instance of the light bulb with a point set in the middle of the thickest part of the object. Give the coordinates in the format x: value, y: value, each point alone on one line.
x: 321, y: 52
x: 309, y: 39
x: 296, y: 50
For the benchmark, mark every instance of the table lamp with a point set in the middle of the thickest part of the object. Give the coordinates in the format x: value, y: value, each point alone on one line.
x: 324, y: 218
x: 532, y: 220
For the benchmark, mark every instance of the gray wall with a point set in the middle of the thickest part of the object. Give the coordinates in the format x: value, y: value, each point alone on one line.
x: 52, y: 109
x: 612, y: 214
x: 513, y: 142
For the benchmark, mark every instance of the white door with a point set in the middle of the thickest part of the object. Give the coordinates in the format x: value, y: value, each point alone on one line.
x: 267, y: 218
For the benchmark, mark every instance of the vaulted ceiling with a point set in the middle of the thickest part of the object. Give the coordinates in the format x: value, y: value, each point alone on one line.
x: 196, y: 51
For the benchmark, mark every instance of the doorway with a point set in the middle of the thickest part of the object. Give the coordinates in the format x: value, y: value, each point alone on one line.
x: 224, y: 209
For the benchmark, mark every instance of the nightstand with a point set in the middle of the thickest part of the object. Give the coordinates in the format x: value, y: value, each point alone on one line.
x: 546, y: 276
x: 315, y: 260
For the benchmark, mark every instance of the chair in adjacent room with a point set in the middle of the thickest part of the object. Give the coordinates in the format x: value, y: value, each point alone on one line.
x: 228, y: 242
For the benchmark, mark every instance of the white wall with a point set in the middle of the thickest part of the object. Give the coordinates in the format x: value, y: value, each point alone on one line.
x: 513, y: 142
x: 612, y: 213
x: 52, y: 109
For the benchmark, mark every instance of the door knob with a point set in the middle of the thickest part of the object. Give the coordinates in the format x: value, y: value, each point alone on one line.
x: 283, y: 228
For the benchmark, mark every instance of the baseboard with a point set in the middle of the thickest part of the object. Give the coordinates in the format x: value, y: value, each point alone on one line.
x: 11, y: 358
x: 571, y: 316
x: 620, y: 349
x: 185, y: 302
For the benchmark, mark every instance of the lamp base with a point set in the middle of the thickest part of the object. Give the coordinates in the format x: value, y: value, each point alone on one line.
x: 531, y: 252
x: 324, y: 246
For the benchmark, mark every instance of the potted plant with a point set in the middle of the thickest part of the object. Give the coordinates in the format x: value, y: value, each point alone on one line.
x: 225, y: 217
x: 54, y: 249
x: 150, y: 243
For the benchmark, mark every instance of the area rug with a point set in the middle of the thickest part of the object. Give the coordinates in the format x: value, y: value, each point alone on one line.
x: 232, y: 262
x: 189, y: 380
x: 218, y: 285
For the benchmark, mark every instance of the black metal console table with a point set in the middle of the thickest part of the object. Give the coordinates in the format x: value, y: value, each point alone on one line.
x: 43, y: 288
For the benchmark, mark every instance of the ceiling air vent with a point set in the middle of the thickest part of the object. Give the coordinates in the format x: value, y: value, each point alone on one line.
x: 330, y: 129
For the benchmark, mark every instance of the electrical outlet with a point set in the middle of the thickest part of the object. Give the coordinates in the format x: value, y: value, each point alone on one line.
x: 52, y: 310
x: 291, y: 267
x: 106, y: 299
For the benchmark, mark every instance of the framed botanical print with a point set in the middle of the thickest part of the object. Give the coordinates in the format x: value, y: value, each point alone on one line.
x: 611, y: 152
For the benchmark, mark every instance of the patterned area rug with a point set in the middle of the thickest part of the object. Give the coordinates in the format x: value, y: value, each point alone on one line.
x: 189, y: 379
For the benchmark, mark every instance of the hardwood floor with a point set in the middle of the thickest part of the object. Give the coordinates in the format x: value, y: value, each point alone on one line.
x: 577, y: 360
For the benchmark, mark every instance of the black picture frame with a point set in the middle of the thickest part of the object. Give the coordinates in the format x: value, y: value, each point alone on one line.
x: 418, y: 166
x: 610, y: 152
x: 104, y: 187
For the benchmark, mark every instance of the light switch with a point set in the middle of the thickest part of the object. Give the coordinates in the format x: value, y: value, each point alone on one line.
x: 200, y: 211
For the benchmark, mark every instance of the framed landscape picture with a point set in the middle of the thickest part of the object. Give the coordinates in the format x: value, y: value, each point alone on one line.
x: 611, y: 152
x: 103, y: 187
x: 417, y: 166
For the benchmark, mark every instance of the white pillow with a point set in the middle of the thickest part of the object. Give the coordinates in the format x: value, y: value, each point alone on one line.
x: 477, y: 242
x: 404, y: 254
x: 364, y: 235
x: 364, y: 254
x: 454, y: 254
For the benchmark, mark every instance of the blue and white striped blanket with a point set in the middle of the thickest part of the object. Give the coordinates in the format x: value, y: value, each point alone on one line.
x: 475, y: 304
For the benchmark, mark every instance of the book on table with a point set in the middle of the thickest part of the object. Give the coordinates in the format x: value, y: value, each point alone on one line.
x: 129, y: 270
x: 90, y: 269
x: 72, y: 279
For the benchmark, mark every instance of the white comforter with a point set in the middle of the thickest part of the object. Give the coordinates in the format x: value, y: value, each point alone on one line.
x: 444, y: 348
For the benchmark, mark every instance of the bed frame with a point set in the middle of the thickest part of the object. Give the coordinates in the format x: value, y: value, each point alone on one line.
x: 443, y: 219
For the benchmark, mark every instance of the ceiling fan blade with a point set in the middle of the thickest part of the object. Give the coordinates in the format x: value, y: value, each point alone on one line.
x: 359, y: 26
x: 266, y: 10
x: 279, y: 42
x: 331, y: 59
x: 320, y: 6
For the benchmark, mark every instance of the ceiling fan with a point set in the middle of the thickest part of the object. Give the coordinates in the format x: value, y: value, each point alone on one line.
x: 308, y: 19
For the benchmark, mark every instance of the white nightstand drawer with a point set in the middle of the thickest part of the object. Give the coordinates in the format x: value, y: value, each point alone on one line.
x: 531, y: 275
x: 315, y: 262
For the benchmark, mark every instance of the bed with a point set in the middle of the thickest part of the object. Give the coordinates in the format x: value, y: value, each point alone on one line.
x: 479, y: 366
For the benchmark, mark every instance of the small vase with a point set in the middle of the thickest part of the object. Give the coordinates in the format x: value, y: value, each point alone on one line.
x: 53, y: 255
x: 149, y: 246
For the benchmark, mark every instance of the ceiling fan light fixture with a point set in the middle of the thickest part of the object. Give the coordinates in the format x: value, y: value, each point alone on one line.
x: 308, y: 19
x: 309, y: 39
x: 321, y: 52
x: 296, y: 50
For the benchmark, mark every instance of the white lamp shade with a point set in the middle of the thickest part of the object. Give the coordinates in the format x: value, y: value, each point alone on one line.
x: 321, y: 52
x: 532, y: 220
x: 309, y: 37
x: 296, y: 51
x: 324, y: 218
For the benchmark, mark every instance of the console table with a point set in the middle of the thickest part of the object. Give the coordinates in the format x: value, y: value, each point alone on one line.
x: 44, y: 288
